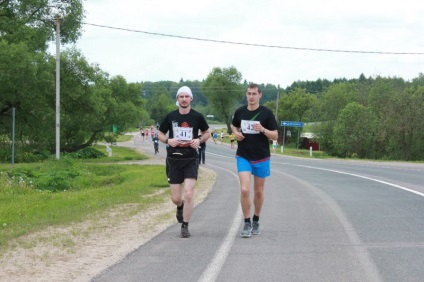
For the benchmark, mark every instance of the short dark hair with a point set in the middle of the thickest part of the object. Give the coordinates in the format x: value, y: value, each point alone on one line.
x: 254, y: 85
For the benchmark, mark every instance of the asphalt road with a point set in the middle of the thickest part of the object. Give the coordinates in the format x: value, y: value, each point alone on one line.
x: 323, y: 220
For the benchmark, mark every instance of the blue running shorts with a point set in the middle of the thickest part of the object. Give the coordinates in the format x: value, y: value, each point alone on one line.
x: 260, y: 169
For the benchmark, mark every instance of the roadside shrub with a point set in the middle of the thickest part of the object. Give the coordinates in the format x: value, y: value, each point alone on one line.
x: 18, y: 179
x: 87, y: 153
x: 59, y: 175
x: 51, y: 175
x: 23, y: 155
x: 54, y: 181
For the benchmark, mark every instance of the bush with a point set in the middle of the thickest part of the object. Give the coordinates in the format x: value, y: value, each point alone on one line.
x: 87, y: 153
x: 23, y: 155
x: 52, y: 175
x: 54, y: 181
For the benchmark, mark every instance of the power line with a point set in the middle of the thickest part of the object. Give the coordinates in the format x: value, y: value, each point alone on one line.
x: 199, y: 89
x: 259, y: 45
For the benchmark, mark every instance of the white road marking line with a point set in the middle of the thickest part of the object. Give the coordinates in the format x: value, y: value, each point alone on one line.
x: 214, y: 267
x: 368, y: 178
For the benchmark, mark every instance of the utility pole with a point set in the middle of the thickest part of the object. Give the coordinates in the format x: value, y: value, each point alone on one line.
x: 57, y: 87
x: 13, y: 136
x: 276, y: 108
x: 276, y: 104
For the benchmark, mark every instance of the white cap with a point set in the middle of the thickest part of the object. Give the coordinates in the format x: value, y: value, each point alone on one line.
x: 184, y: 89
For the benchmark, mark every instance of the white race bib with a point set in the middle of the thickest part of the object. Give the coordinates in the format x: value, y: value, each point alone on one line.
x: 247, y: 126
x: 183, y: 133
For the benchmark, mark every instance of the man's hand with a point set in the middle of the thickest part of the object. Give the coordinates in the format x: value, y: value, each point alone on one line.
x: 258, y: 127
x: 195, y: 143
x: 239, y: 136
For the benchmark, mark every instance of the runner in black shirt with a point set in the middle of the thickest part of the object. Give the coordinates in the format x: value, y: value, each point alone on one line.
x: 253, y: 126
x: 182, y: 126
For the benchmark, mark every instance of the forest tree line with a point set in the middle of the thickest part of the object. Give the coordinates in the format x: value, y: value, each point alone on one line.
x: 373, y: 118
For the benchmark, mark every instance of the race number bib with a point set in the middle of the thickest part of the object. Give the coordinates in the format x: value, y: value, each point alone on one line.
x: 183, y: 133
x: 247, y: 126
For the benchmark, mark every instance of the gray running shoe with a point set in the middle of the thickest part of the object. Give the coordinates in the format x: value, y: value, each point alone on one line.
x: 255, y: 228
x: 179, y: 214
x: 247, y: 230
x: 184, y: 231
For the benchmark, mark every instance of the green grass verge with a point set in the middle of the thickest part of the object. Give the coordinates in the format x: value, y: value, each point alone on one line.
x: 124, y: 138
x: 291, y: 150
x: 37, y: 195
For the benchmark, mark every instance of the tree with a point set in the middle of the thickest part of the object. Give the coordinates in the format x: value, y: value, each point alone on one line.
x: 160, y: 104
x: 297, y: 103
x: 314, y: 87
x: 329, y: 106
x: 269, y: 93
x: 25, y: 78
x: 90, y: 103
x: 418, y: 81
x: 33, y: 21
x: 406, y: 130
x: 354, y: 132
x: 380, y: 98
x: 223, y: 90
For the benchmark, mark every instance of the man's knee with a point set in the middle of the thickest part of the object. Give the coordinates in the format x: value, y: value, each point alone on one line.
x: 245, y: 191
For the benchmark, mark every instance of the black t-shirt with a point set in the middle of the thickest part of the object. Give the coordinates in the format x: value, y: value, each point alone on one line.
x: 185, y: 127
x: 255, y: 145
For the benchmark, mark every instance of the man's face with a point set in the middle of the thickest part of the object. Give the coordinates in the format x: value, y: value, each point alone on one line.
x: 253, y: 96
x: 184, y: 100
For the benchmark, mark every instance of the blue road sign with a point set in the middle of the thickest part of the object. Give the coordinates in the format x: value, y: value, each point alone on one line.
x: 292, y: 123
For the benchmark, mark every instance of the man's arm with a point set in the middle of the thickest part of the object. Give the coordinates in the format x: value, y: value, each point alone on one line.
x: 270, y: 134
x: 235, y: 129
x: 205, y: 135
x: 162, y: 137
x: 237, y: 133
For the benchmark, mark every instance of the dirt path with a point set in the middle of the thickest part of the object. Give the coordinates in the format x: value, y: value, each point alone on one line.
x: 80, y: 251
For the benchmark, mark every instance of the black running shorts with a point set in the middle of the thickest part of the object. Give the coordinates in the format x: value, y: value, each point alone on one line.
x: 180, y: 169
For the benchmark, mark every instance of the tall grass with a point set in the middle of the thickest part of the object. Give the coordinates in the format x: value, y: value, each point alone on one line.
x: 37, y: 195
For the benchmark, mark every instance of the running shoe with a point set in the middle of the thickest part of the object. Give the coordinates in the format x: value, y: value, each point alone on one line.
x: 247, y: 230
x: 179, y: 214
x: 184, y: 231
x: 255, y: 228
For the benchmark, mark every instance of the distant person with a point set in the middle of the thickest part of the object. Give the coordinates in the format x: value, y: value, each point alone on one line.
x: 232, y: 139
x: 156, y: 143
x: 215, y: 136
x: 182, y: 126
x: 152, y: 131
x: 222, y: 137
x: 274, y: 145
x: 253, y: 125
x: 202, y: 149
x: 142, y: 133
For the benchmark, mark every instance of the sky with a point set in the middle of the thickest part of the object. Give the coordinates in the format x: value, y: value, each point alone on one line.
x: 294, y: 27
